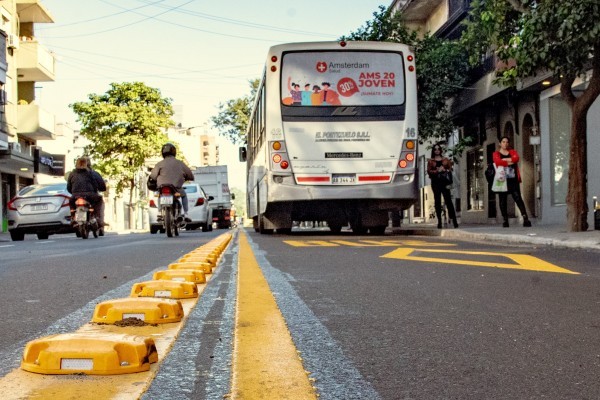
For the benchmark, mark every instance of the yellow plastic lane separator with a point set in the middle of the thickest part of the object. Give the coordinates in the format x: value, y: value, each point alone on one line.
x: 266, y: 364
x: 101, y: 356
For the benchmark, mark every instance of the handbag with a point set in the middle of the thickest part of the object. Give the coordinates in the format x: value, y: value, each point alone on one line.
x: 445, y: 178
x: 499, y: 184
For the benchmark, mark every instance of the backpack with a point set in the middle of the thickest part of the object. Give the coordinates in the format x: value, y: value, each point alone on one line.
x: 490, y: 172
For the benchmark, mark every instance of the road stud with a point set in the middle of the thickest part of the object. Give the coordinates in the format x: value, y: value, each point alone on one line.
x: 181, y: 275
x: 164, y: 288
x: 148, y: 309
x: 196, y: 266
x: 209, y: 257
x: 90, y: 354
x: 201, y: 259
x: 198, y: 259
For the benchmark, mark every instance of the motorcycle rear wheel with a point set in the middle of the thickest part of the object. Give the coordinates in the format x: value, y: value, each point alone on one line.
x: 83, y: 231
x: 169, y: 223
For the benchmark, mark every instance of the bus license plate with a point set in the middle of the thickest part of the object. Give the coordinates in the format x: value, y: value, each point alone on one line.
x: 166, y: 200
x: 338, y: 179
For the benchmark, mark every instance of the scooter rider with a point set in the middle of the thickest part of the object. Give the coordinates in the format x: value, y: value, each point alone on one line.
x: 101, y: 188
x: 171, y: 171
x: 82, y: 183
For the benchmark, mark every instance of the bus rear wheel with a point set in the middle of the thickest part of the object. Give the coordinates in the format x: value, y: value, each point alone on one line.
x: 261, y: 226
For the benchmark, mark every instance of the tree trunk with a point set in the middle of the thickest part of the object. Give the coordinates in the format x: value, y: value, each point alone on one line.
x: 577, y: 207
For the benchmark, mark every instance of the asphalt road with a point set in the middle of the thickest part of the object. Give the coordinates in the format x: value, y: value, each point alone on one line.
x: 422, y: 329
x: 442, y: 320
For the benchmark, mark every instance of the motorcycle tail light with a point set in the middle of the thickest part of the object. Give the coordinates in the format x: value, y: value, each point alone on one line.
x: 80, y: 202
x: 165, y: 190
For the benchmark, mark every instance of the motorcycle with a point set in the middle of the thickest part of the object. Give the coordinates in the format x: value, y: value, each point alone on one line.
x: 170, y: 210
x: 85, y: 219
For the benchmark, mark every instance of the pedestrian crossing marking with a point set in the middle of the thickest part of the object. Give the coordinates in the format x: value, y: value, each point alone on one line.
x: 363, y: 243
x: 520, y: 261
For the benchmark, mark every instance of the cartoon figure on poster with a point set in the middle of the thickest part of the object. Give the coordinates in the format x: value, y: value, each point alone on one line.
x: 322, y: 95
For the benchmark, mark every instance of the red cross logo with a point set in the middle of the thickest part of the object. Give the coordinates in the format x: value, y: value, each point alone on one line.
x: 321, y: 66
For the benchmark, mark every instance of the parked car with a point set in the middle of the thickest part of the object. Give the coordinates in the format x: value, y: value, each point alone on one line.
x: 41, y: 209
x: 199, y: 211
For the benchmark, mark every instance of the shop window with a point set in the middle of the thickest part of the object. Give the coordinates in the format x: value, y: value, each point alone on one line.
x: 476, y: 184
x: 560, y: 125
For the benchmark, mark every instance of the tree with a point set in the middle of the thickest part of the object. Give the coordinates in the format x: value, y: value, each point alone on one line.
x: 561, y: 37
x: 125, y: 126
x: 441, y: 69
x: 232, y: 119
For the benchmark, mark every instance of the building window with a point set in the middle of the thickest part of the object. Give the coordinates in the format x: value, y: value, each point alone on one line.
x: 560, y: 125
x: 476, y: 184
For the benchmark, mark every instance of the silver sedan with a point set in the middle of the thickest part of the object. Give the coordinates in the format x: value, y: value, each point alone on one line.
x: 41, y: 209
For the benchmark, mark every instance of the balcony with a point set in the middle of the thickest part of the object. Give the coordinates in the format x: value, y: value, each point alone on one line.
x: 34, y: 122
x: 33, y: 11
x: 34, y: 62
x: 17, y: 160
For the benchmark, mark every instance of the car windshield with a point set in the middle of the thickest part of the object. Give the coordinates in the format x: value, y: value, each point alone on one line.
x: 40, y: 190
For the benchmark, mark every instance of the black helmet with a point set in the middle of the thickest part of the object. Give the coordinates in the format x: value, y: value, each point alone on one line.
x: 168, y: 149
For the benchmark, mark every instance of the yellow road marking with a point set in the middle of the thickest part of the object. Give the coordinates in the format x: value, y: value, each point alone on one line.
x: 363, y: 243
x: 265, y: 361
x: 310, y: 243
x: 521, y: 261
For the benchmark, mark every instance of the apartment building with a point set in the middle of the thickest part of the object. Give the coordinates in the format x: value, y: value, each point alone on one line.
x: 533, y: 115
x: 23, y: 124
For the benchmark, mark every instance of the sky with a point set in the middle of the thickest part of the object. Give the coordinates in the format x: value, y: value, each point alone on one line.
x: 199, y: 53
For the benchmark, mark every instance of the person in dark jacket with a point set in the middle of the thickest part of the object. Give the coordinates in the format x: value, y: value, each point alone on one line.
x: 82, y: 183
x: 171, y: 171
x: 439, y: 169
x: 101, y: 188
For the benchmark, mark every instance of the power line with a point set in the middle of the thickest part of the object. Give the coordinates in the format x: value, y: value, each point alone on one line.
x: 187, y: 12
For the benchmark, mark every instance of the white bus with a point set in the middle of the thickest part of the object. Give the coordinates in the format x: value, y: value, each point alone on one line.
x: 333, y: 136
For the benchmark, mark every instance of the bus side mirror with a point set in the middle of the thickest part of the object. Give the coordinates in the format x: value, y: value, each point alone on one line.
x: 242, y: 154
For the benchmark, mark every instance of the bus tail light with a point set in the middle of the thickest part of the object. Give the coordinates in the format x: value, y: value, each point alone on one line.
x: 407, y: 155
x: 279, y: 157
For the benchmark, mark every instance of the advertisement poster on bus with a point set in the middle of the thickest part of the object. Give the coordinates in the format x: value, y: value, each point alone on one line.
x: 342, y: 78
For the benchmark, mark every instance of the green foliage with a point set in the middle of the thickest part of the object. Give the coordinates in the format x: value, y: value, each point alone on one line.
x: 232, y: 119
x: 441, y: 69
x: 125, y: 126
x: 562, y: 37
x: 559, y: 36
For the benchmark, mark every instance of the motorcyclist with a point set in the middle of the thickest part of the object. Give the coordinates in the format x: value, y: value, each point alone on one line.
x: 171, y: 171
x: 101, y: 188
x: 82, y: 183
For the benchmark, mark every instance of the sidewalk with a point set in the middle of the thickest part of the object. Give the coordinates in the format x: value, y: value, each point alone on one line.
x: 543, y: 235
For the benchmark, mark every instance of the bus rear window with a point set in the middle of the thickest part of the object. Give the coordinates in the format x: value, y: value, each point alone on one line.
x: 349, y: 78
